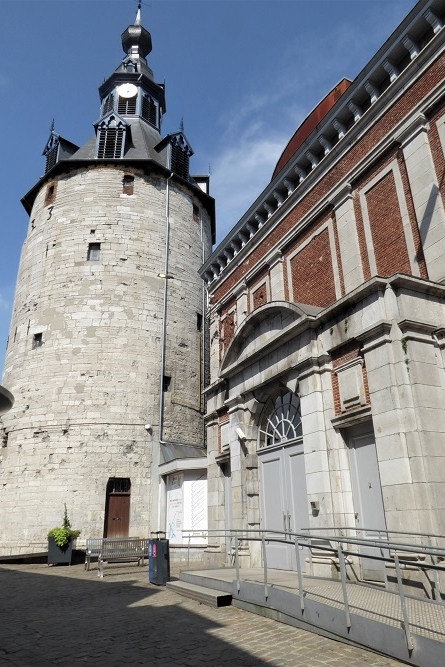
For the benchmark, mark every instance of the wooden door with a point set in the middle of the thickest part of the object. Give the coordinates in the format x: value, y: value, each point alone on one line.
x: 117, y: 515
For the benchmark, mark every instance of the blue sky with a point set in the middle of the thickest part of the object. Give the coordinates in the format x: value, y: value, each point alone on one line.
x: 242, y: 74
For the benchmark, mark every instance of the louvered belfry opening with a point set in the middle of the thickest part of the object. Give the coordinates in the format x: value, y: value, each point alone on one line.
x: 111, y: 139
x: 149, y: 110
x: 108, y: 104
x: 180, y: 161
x: 127, y: 106
x: 51, y: 158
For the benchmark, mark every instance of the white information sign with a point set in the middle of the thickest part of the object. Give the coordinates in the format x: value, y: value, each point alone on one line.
x: 187, y: 507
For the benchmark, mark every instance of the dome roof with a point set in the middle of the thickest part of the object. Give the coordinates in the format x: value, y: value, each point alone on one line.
x: 310, y: 123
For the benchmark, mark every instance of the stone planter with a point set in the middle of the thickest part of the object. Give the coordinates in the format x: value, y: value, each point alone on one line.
x: 58, y: 554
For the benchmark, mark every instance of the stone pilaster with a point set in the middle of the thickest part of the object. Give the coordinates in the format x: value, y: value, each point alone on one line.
x: 348, y: 239
x: 428, y: 203
x: 275, y: 263
x: 318, y: 482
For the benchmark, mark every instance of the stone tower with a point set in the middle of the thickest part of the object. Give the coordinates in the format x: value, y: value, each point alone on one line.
x: 105, y: 353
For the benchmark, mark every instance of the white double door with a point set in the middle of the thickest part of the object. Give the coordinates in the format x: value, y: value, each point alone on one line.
x: 283, y: 501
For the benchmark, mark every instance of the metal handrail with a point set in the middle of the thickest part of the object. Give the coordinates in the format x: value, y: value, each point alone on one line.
x: 342, y: 549
x: 374, y: 530
x: 415, y: 548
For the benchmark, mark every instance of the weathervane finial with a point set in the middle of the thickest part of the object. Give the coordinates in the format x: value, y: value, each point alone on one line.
x: 138, y: 14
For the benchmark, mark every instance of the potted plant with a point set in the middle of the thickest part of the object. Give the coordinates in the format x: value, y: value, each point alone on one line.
x: 60, y: 542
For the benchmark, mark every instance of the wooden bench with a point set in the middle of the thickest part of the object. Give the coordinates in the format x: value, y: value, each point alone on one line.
x: 123, y: 549
x: 94, y: 545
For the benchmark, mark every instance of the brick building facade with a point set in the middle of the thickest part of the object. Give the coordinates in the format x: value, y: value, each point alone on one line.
x: 326, y: 397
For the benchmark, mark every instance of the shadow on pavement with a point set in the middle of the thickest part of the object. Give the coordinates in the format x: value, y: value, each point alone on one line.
x: 61, y: 615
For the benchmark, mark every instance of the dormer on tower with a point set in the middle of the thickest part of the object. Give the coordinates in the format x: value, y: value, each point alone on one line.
x: 181, y: 151
x: 57, y: 148
x: 111, y: 136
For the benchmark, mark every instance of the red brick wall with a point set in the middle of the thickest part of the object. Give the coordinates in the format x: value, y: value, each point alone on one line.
x: 312, y: 274
x: 385, y: 221
x: 259, y: 296
x: 257, y: 292
x: 413, y: 95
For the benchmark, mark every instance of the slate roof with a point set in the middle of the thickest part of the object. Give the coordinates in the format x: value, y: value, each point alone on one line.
x: 141, y: 145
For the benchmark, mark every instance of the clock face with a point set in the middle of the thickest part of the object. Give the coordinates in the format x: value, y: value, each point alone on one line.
x: 127, y: 90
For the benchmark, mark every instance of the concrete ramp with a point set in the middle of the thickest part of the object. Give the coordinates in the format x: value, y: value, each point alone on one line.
x: 375, y: 617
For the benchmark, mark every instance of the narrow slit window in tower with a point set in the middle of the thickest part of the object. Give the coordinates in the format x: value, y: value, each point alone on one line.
x: 128, y: 184
x: 50, y: 195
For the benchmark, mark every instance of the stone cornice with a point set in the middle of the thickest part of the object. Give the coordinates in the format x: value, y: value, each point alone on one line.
x: 352, y: 417
x: 378, y: 334
x: 420, y: 331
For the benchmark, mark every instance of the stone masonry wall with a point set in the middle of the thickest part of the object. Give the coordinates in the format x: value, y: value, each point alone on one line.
x: 84, y: 352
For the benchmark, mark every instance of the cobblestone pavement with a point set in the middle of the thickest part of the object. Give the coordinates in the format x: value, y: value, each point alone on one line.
x: 65, y: 616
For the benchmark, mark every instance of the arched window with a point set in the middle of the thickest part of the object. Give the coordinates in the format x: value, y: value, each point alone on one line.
x: 281, y: 421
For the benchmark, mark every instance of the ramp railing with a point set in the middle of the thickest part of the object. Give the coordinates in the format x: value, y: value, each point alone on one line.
x: 403, y: 550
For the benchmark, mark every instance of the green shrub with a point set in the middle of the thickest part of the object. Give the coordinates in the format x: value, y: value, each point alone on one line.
x: 63, y: 534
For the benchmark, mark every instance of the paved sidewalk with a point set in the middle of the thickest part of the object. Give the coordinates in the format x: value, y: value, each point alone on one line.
x: 64, y: 616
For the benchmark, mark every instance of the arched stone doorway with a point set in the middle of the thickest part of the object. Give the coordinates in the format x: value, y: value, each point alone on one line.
x: 282, y: 475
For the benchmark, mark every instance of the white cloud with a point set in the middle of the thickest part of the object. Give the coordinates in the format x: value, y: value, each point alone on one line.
x: 249, y: 148
x: 241, y: 172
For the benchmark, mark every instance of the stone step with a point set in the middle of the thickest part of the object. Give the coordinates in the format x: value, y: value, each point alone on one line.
x: 202, y: 594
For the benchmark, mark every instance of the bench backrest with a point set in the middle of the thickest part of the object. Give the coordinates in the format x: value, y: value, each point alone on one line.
x: 126, y: 547
x: 93, y: 545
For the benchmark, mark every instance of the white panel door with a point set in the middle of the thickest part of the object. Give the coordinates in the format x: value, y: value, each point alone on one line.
x: 368, y: 500
x: 283, y: 502
x: 297, y: 503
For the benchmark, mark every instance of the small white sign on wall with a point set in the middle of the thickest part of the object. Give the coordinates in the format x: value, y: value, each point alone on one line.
x: 187, y: 507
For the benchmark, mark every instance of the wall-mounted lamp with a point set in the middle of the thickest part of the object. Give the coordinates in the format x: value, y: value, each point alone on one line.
x: 315, y: 507
x: 240, y: 433
x: 148, y: 428
x: 170, y: 276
